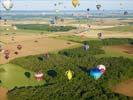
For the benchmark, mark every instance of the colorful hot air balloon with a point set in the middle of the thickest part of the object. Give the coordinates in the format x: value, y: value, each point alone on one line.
x: 69, y: 74
x: 98, y: 6
x: 7, y: 4
x: 95, y: 73
x: 102, y: 68
x: 75, y: 2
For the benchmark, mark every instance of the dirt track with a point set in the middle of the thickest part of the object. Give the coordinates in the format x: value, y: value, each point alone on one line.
x: 125, y: 88
x: 124, y: 48
x: 3, y: 93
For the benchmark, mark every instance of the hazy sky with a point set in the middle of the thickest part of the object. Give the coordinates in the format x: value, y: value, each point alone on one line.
x: 84, y: 4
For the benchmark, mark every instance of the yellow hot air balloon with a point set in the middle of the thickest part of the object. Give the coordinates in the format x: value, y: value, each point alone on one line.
x: 69, y: 74
x: 75, y: 2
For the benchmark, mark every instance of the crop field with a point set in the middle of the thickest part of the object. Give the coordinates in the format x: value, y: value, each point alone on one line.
x: 80, y: 62
x: 64, y: 46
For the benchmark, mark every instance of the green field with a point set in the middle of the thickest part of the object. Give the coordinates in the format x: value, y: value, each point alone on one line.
x: 29, y: 29
x: 72, y: 38
x: 11, y: 31
x: 110, y: 52
x: 13, y: 76
x: 82, y: 86
x: 120, y: 29
x: 83, y: 21
x: 45, y: 27
x: 130, y: 23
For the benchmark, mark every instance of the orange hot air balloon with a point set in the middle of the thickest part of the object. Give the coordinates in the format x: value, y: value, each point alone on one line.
x: 75, y: 2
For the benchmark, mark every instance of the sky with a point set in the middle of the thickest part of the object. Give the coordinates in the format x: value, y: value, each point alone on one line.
x: 67, y: 5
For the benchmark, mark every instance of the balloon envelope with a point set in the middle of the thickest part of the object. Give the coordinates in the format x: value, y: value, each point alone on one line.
x: 95, y: 73
x: 98, y: 7
x: 75, y: 2
x: 102, y: 68
x: 88, y: 9
x: 69, y: 74
x: 125, y: 13
x: 7, y: 4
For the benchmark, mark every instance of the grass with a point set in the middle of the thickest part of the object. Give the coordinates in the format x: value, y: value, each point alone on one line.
x: 83, y: 21
x: 45, y: 27
x: 130, y: 23
x: 118, y: 69
x: 21, y: 31
x: 110, y: 52
x: 13, y: 76
x: 120, y: 29
x: 72, y: 38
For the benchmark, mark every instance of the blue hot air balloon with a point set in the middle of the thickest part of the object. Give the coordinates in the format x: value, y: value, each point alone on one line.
x: 95, y: 73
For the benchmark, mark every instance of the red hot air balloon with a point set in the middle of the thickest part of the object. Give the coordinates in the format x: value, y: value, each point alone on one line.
x: 19, y: 47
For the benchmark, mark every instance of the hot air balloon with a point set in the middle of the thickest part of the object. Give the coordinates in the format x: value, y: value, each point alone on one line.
x: 88, y: 9
x: 6, y: 53
x: 19, y: 47
x: 16, y: 53
x: 69, y: 74
x: 55, y: 4
x: 39, y: 76
x: 52, y: 21
x: 86, y: 46
x: 46, y: 55
x: 57, y: 10
x: 125, y: 13
x: 102, y: 68
x: 100, y: 35
x: 7, y: 4
x: 95, y: 73
x: 79, y: 4
x: 98, y: 6
x: 6, y: 56
x: 75, y: 2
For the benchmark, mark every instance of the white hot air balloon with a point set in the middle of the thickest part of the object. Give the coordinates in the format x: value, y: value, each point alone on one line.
x: 102, y: 68
x: 7, y: 4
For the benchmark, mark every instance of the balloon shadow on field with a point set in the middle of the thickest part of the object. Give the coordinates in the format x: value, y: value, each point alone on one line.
x: 40, y: 58
x: 52, y: 73
x: 131, y: 43
x: 84, y: 69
